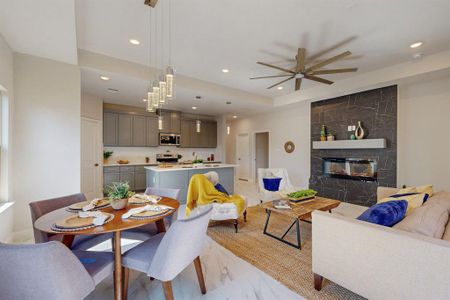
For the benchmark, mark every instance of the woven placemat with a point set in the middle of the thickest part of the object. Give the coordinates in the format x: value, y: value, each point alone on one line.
x: 55, y: 227
x: 76, y: 207
x: 149, y: 214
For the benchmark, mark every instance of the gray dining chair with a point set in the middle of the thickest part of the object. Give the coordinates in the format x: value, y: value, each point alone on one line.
x: 80, y: 242
x: 163, y: 192
x: 50, y: 271
x: 165, y: 255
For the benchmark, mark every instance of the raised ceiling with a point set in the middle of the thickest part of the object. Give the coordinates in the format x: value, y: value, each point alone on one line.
x: 211, y: 35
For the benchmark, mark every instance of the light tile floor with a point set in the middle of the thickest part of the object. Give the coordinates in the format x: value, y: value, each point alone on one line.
x: 227, y: 276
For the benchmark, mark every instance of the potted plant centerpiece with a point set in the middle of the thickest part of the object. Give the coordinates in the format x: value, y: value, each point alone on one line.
x: 118, y: 194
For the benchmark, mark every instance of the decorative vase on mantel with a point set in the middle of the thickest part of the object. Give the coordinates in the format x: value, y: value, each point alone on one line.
x: 359, y: 132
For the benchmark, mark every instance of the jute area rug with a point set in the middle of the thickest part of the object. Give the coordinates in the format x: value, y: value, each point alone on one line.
x: 288, y: 265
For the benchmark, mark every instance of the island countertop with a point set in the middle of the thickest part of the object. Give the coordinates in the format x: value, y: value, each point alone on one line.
x: 189, y: 167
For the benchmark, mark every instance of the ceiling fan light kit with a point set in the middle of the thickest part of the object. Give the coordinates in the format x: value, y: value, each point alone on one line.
x: 301, y: 72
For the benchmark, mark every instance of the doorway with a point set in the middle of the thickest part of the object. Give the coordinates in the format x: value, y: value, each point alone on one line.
x: 91, y: 158
x: 261, y: 151
x: 243, y: 156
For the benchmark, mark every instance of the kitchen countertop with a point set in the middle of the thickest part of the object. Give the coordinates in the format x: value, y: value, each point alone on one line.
x: 189, y: 167
x: 150, y: 164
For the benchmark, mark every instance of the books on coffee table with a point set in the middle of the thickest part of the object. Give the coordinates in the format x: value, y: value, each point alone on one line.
x: 281, y: 204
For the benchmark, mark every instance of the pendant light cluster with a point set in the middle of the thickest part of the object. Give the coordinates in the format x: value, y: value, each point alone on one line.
x: 162, y: 88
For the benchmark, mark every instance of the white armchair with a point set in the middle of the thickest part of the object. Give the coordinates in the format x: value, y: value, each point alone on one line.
x: 285, y: 188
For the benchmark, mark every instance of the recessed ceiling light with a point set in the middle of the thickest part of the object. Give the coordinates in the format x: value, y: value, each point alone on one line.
x: 134, y: 42
x: 103, y: 77
x: 228, y: 102
x: 279, y: 88
x: 198, y: 97
x: 234, y: 117
x: 194, y: 107
x: 416, y: 45
x: 113, y: 90
x: 225, y: 70
x: 145, y: 100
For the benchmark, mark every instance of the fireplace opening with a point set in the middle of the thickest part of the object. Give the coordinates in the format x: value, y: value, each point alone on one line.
x: 350, y: 168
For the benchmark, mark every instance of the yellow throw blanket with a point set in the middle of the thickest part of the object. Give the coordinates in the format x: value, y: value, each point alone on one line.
x: 201, y: 192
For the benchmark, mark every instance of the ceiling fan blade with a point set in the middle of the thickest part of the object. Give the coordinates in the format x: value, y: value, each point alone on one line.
x: 298, y: 83
x: 275, y: 67
x: 273, y: 76
x: 328, y: 61
x: 274, y: 85
x: 319, y: 79
x: 301, y: 59
x: 334, y: 71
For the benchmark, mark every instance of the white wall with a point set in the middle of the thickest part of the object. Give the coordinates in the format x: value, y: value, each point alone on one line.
x: 7, y: 91
x: 423, y: 124
x: 46, y: 133
x: 424, y: 142
x: 287, y: 124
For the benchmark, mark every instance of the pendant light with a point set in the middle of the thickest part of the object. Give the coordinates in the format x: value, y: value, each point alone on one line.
x: 162, y: 90
x: 198, y: 125
x: 160, y: 120
x: 150, y: 99
x: 150, y: 94
x: 170, y: 74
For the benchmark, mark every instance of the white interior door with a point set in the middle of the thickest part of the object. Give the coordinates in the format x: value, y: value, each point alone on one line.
x: 243, y: 156
x: 91, y: 158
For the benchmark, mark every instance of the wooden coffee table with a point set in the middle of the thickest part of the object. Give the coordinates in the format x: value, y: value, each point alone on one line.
x: 300, y: 212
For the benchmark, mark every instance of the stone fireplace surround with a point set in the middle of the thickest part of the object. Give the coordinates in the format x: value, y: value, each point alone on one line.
x: 377, y: 109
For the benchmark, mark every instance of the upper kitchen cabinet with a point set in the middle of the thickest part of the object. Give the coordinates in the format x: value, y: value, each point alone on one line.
x: 170, y: 121
x: 152, y: 132
x: 185, y: 133
x: 139, y: 131
x: 206, y: 138
x: 125, y: 132
x: 110, y: 129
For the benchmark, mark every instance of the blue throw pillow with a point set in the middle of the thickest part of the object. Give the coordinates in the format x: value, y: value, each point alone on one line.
x: 220, y: 188
x: 386, y: 213
x: 272, y: 184
x: 425, y: 196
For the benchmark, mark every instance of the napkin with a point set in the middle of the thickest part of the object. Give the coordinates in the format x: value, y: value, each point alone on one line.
x: 99, y: 217
x: 148, y: 207
x: 93, y: 204
x: 153, y: 199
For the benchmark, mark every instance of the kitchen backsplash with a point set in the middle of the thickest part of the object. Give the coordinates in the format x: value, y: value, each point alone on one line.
x: 138, y: 154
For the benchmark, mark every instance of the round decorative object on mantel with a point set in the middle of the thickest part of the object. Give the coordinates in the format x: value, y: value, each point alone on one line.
x: 289, y: 147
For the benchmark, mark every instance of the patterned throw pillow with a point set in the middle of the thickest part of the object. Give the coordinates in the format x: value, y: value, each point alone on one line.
x: 414, y: 200
x: 221, y: 189
x: 386, y: 213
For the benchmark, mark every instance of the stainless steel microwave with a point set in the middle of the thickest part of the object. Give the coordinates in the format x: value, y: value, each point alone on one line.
x: 168, y: 139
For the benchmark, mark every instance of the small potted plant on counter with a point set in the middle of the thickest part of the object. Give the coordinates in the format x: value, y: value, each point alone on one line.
x: 118, y: 194
x: 147, y: 159
x: 106, y: 154
x: 197, y: 162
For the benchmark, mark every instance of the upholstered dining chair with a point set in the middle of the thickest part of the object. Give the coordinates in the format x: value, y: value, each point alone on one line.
x: 165, y: 255
x: 50, y: 271
x: 81, y: 242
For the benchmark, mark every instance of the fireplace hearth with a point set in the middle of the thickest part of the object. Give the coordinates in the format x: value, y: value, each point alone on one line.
x: 350, y: 168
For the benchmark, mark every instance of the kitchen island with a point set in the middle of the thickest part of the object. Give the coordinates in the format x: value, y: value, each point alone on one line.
x: 178, y: 176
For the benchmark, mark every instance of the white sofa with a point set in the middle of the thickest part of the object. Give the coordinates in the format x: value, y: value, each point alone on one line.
x: 380, y: 262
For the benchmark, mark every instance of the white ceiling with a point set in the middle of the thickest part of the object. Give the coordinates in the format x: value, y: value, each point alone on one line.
x: 234, y: 34
x: 44, y: 28
x: 132, y: 90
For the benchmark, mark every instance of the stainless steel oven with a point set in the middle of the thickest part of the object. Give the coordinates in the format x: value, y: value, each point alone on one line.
x: 169, y: 139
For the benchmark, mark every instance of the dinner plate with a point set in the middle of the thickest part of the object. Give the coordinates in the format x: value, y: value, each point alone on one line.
x: 149, y: 214
x: 79, y: 205
x: 75, y: 222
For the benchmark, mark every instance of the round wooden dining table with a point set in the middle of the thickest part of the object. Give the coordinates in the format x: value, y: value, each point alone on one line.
x: 116, y: 226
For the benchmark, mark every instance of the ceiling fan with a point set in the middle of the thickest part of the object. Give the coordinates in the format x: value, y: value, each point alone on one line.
x: 302, y: 71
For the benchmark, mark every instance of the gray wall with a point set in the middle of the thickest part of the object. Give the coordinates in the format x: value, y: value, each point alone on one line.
x: 377, y: 109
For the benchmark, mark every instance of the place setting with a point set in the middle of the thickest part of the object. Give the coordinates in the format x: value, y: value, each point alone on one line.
x: 147, y: 212
x: 141, y: 199
x: 82, y: 220
x: 93, y: 205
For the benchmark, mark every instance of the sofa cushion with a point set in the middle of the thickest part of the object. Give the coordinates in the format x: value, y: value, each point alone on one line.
x: 386, y: 213
x: 429, y: 220
x: 443, y: 198
x: 414, y: 200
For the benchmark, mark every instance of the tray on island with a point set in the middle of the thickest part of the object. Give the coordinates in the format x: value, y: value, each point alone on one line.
x: 301, y: 199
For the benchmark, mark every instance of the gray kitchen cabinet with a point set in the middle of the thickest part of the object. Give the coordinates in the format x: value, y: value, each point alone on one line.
x: 110, y: 127
x: 175, y: 122
x: 185, y: 133
x: 165, y: 116
x: 110, y: 175
x: 212, y: 135
x: 194, y: 135
x: 125, y: 131
x: 139, y: 131
x: 152, y: 133
x: 140, y: 177
x: 128, y: 177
